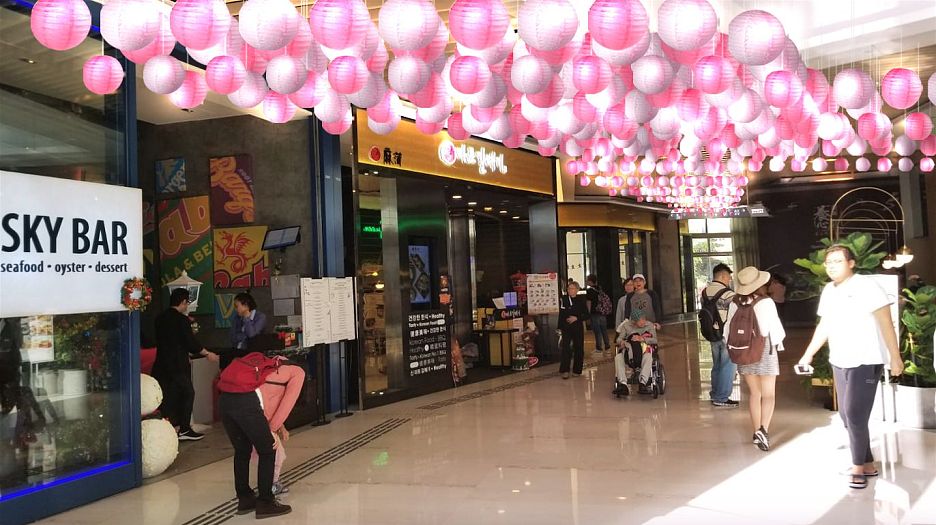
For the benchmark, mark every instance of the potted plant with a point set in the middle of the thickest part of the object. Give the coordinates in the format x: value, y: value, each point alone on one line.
x: 810, y: 281
x: 916, y: 392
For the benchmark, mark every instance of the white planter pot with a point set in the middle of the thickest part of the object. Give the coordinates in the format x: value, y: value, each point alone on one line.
x: 74, y: 382
x: 916, y: 407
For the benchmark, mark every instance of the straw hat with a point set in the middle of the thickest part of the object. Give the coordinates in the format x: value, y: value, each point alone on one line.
x: 749, y: 279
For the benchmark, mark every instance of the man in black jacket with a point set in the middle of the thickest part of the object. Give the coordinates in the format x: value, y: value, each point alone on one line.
x: 572, y: 314
x: 175, y: 346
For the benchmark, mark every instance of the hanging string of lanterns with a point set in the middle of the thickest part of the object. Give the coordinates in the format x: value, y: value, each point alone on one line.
x: 635, y: 109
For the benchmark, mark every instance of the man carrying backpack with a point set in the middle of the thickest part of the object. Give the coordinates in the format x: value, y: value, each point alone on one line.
x: 599, y: 306
x: 716, y: 297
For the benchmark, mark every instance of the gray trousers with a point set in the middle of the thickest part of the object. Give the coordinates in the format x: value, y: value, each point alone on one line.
x: 856, y: 388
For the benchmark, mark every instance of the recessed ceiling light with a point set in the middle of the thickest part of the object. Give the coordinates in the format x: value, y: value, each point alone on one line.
x: 515, y: 217
x: 488, y: 208
x: 28, y: 60
x: 472, y: 203
x: 503, y: 212
x: 456, y: 197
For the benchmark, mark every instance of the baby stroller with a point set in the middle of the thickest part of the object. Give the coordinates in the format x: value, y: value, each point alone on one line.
x: 639, y: 351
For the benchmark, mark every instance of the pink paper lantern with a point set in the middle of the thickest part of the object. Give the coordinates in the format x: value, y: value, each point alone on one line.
x: 311, y: 92
x: 756, y: 37
x: 926, y: 165
x: 690, y: 105
x: 408, y: 24
x: 373, y: 92
x: 884, y: 164
x: 918, y: 126
x: 251, y: 93
x: 547, y: 24
x: 478, y: 24
x: 301, y: 44
x: 340, y: 126
x: 191, y: 93
x: 652, y: 74
x: 852, y: 88
x: 841, y: 164
x: 102, y: 74
x: 685, y: 25
x: 782, y: 88
x: 60, y: 24
x: 277, y: 108
x: 713, y: 74
x: 129, y: 24
x: 928, y: 145
x: 617, y: 24
x: 163, y: 74
x: 225, y: 74
x: 901, y: 88
x: 199, y: 24
x: 590, y: 74
x: 873, y: 126
x: 163, y: 44
x: 469, y: 75
x: 346, y: 74
x: 455, y: 129
x: 408, y: 74
x: 339, y: 24
x: 817, y: 85
x: 548, y: 97
x: 269, y: 24
x: 286, y: 74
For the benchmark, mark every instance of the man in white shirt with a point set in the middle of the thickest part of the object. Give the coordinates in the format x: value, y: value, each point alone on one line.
x: 855, y: 320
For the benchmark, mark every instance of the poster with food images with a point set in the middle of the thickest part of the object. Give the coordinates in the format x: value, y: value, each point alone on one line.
x: 38, y: 339
x: 232, y: 190
x: 542, y: 293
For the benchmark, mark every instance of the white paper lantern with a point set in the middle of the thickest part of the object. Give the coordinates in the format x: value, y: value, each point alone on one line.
x: 820, y: 164
x: 547, y: 25
x: 852, y: 88
x: 686, y: 24
x: 285, y: 74
x: 862, y: 164
x: 623, y: 57
x: 755, y: 37
x: 408, y: 24
x: 373, y: 92
x: 129, y: 24
x: 748, y: 106
x: 665, y: 124
x: 652, y: 74
x: 905, y: 164
x: 268, y: 24
x: 160, y: 446
x: 776, y: 164
x: 905, y: 146
x: 332, y: 108
x: 151, y: 395
x: 251, y: 93
x: 407, y: 74
x: 931, y: 89
x: 231, y: 45
x: 530, y: 74
x: 163, y: 74
x: 492, y: 94
x: 638, y: 108
x: 383, y: 128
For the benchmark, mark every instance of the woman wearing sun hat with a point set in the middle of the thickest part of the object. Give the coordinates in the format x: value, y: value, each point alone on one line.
x: 760, y: 377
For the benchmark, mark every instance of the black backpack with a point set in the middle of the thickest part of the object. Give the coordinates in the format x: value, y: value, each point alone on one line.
x: 710, y: 321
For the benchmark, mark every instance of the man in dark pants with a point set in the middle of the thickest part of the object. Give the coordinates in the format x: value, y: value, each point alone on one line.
x: 175, y: 345
x: 572, y: 314
x: 248, y: 429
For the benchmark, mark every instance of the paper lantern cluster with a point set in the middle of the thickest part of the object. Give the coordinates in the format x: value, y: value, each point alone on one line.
x: 695, y: 107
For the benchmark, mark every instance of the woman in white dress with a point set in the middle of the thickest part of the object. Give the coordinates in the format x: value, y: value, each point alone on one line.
x: 760, y: 377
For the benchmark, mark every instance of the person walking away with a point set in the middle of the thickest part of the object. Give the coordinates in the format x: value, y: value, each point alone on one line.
x: 644, y: 303
x: 855, y: 320
x: 240, y: 404
x: 279, y: 394
x: 572, y: 313
x: 599, y: 306
x: 175, y: 346
x: 619, y: 316
x: 754, y: 335
x: 716, y: 298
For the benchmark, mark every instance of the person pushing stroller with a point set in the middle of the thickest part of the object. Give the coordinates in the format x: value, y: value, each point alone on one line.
x: 636, y: 341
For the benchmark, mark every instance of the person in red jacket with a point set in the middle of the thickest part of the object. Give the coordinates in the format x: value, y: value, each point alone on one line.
x: 278, y: 396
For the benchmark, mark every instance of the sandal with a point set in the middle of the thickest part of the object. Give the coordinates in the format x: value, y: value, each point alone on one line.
x: 858, y: 481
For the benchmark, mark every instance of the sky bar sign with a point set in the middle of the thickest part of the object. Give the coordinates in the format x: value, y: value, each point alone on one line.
x: 66, y: 246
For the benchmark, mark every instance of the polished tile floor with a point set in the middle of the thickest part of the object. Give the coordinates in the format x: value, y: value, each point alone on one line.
x: 549, y: 451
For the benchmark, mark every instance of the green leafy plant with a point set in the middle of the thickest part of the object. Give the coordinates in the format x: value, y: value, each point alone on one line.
x: 812, y: 278
x: 919, y: 320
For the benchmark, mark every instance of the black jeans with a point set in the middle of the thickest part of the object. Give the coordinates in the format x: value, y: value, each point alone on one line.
x: 178, y: 398
x: 856, y: 388
x: 248, y: 429
x: 572, y: 337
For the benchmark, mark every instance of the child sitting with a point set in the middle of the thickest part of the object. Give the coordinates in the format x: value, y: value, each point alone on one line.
x: 636, y: 341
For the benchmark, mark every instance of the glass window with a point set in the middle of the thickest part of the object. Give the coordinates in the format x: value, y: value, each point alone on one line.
x: 577, y: 257
x: 721, y: 244
x: 719, y: 225
x: 700, y: 245
x: 696, y: 225
x: 64, y: 404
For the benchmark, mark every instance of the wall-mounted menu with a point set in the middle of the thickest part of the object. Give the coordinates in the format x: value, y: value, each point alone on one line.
x: 542, y: 293
x: 427, y: 348
x: 328, y: 313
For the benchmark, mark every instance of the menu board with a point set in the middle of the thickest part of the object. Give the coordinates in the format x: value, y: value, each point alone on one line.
x: 328, y: 313
x: 38, y: 342
x: 427, y: 346
x: 316, y: 321
x: 542, y: 290
x: 341, y: 299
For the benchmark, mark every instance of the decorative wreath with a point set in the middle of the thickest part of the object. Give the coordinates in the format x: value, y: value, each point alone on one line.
x: 136, y: 294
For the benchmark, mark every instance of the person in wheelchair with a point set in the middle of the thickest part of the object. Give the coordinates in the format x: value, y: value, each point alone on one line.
x: 637, y: 342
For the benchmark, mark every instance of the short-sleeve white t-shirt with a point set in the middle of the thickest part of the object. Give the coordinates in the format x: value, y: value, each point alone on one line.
x: 847, y: 310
